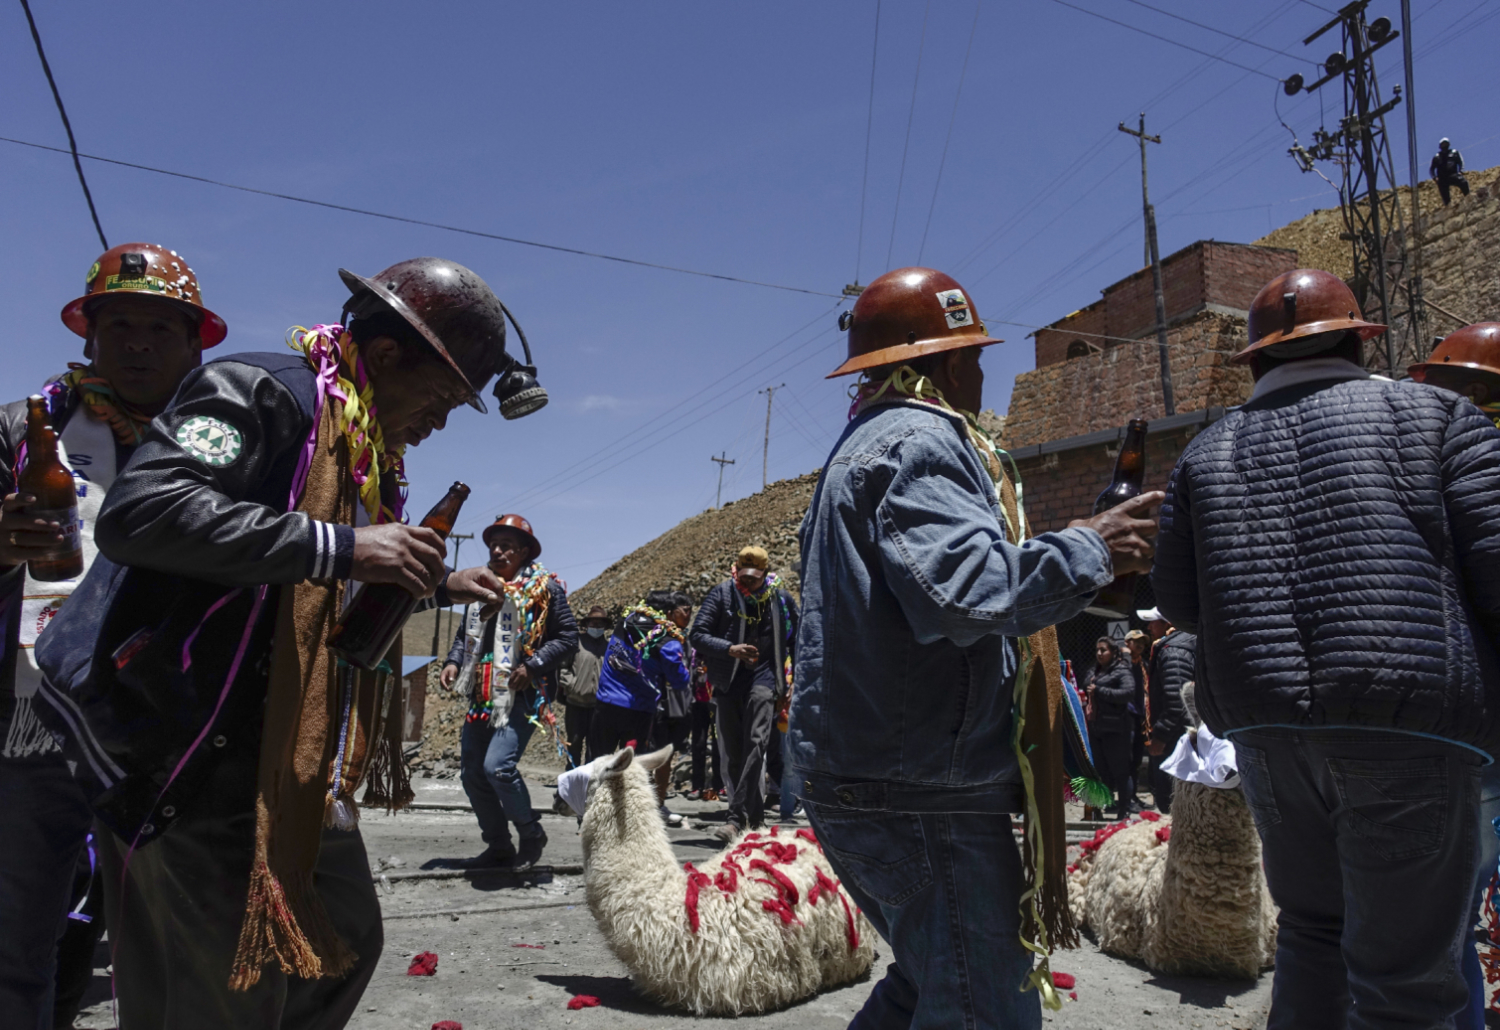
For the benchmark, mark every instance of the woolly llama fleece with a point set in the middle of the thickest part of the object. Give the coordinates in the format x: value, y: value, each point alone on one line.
x: 1186, y: 894
x: 761, y: 925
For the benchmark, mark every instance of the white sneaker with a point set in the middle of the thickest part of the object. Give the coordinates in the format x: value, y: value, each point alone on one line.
x: 670, y: 818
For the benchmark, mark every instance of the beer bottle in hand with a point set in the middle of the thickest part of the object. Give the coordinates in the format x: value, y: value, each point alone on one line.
x: 48, y: 480
x: 1117, y: 600
x: 369, y: 625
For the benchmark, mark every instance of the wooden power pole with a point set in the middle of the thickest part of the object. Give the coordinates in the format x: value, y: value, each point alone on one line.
x: 437, y: 613
x: 1153, y: 258
x: 719, y: 497
x: 765, y: 455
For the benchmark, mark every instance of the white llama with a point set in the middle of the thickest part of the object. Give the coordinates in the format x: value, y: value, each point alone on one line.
x: 759, y: 926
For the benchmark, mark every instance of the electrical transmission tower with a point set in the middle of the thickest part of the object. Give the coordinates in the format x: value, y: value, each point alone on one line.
x: 1388, y: 290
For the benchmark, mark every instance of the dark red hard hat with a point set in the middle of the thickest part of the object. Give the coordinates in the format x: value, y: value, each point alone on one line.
x: 1299, y: 303
x: 906, y: 314
x: 146, y: 270
x: 1474, y: 349
x: 454, y: 310
x: 520, y: 525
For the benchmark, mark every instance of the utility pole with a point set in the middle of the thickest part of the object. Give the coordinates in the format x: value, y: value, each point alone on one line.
x: 765, y: 459
x: 719, y: 497
x: 1153, y: 258
x: 1415, y: 301
x: 437, y: 614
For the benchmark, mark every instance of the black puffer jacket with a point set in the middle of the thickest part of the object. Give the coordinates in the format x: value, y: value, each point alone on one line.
x: 1113, y: 690
x: 1171, y: 666
x: 1336, y: 548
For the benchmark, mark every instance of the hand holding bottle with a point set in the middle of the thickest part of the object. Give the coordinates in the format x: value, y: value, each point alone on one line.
x: 1126, y: 533
x: 23, y: 536
x: 411, y: 556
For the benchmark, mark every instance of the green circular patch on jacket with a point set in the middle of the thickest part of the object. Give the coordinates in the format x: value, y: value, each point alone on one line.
x: 210, y: 440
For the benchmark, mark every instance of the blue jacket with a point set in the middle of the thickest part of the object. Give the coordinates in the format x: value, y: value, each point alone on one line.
x: 629, y: 681
x: 910, y: 592
x: 1335, y: 545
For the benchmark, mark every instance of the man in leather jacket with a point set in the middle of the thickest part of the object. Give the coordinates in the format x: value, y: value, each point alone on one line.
x: 202, y: 549
x: 1447, y: 170
x: 141, y: 339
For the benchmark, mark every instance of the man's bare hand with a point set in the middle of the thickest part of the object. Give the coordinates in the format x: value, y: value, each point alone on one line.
x: 1156, y: 748
x: 23, y: 537
x: 476, y: 585
x: 394, y: 553
x: 520, y: 677
x: 744, y: 652
x: 1127, y: 532
x: 448, y: 675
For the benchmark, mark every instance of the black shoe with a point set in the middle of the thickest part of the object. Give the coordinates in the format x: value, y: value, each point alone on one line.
x: 530, y: 852
x: 499, y: 857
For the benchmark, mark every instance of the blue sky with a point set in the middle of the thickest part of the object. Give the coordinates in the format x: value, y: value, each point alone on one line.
x: 723, y: 138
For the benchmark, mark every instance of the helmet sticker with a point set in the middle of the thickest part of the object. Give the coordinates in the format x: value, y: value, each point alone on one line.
x: 93, y: 274
x: 135, y: 282
x: 955, y: 308
x: 210, y: 440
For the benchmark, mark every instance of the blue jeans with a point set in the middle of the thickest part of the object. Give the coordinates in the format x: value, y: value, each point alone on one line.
x: 1489, y: 855
x: 43, y: 822
x: 487, y: 756
x: 1371, y: 849
x: 943, y: 891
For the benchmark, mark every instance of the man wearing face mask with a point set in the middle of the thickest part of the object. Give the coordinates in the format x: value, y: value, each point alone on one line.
x: 579, y: 683
x: 501, y: 657
x: 221, y: 741
x: 146, y: 328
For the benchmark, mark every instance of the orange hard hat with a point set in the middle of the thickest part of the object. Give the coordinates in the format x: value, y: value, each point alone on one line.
x: 1300, y: 303
x: 1472, y: 349
x: 906, y: 314
x: 517, y: 523
x: 149, y: 270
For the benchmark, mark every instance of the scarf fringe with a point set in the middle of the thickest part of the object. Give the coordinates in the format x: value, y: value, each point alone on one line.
x: 388, y: 783
x: 341, y: 815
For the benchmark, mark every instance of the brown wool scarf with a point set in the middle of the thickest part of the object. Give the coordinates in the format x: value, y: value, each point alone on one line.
x: 327, y: 725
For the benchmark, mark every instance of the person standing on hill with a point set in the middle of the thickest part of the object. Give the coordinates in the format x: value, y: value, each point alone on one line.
x: 918, y: 577
x: 1447, y: 169
x: 502, y: 659
x: 145, y: 328
x: 746, y: 633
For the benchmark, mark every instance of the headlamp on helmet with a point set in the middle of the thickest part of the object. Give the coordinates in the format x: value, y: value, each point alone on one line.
x: 517, y: 390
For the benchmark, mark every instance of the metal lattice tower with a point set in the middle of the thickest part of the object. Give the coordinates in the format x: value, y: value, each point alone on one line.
x: 1388, y: 288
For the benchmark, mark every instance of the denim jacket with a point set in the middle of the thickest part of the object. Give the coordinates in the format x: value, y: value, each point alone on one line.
x: 911, y: 596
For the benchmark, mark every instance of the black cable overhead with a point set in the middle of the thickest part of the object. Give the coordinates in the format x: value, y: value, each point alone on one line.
x: 901, y: 179
x: 422, y: 222
x: 949, y: 138
x: 1221, y: 32
x: 864, y: 181
x: 36, y: 37
x: 1166, y: 39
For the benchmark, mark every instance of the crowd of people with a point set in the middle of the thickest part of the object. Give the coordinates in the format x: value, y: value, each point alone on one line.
x: 180, y: 727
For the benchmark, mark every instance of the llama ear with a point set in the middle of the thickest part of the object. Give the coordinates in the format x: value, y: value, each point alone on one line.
x: 656, y: 759
x: 621, y: 759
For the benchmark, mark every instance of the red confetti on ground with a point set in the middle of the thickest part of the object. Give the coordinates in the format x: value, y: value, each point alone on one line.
x: 447, y: 1024
x: 1164, y: 834
x: 1064, y: 981
x: 582, y: 1001
x: 424, y: 964
x: 1073, y: 995
x: 538, y: 947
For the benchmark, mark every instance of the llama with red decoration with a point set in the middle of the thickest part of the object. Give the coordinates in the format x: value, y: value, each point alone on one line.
x: 763, y: 924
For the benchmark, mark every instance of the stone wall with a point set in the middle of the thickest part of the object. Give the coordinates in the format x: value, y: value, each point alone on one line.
x: 1107, y: 389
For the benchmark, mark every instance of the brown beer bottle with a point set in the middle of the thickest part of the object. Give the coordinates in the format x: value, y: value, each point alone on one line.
x: 369, y: 625
x: 1117, y: 600
x: 48, y: 480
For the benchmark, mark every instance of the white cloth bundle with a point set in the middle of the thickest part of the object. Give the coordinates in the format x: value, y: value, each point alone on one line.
x: 1201, y: 757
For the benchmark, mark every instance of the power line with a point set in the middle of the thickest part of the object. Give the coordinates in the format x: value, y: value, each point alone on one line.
x: 864, y: 182
x: 72, y: 143
x: 1166, y: 39
x: 430, y: 225
x: 1221, y: 32
x: 910, y: 114
x: 949, y: 138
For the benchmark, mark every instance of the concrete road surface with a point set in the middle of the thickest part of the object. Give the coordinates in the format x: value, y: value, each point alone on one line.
x: 487, y: 981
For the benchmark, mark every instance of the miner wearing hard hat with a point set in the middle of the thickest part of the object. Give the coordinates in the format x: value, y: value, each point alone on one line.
x: 144, y: 327
x: 926, y: 607
x: 220, y: 739
x: 1335, y: 545
x: 1447, y: 170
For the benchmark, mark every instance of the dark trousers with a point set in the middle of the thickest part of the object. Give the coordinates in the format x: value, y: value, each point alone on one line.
x: 1137, y: 754
x: 174, y: 926
x: 576, y: 721
x: 614, y: 726
x: 747, y: 714
x: 1371, y: 850
x: 1112, y: 760
x: 1162, y: 783
x: 944, y: 892
x: 43, y: 822
x: 705, y: 747
x: 1447, y: 182
x: 75, y: 951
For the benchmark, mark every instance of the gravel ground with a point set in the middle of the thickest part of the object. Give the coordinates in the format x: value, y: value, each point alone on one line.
x: 486, y: 982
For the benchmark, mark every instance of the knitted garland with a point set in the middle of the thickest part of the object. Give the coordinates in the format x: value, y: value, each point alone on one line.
x: 128, y: 424
x: 532, y: 600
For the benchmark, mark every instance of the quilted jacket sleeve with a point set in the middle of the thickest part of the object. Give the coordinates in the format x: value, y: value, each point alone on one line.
x: 1174, y: 574
x: 1471, y: 492
x: 704, y: 634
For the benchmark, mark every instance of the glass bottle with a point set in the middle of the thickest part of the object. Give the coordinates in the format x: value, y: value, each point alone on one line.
x: 1117, y: 600
x: 48, y: 480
